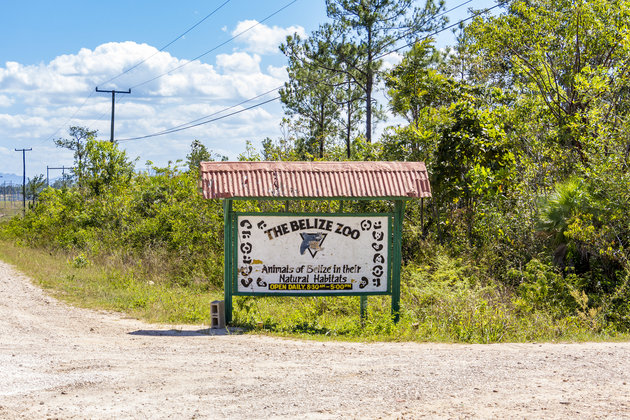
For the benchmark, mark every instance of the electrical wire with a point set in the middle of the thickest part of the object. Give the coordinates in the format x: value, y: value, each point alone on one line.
x: 167, y: 45
x: 166, y: 131
x: 195, y: 122
x: 441, y: 30
x: 46, y: 139
x: 204, y: 122
x: 214, y: 48
x: 406, y: 34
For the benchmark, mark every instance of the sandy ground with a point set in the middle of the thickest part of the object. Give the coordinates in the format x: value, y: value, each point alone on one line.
x: 58, y: 361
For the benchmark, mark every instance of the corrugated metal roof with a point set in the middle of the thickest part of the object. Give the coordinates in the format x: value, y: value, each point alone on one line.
x: 314, y: 179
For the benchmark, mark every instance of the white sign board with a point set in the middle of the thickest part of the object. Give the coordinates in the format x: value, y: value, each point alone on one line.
x: 312, y: 254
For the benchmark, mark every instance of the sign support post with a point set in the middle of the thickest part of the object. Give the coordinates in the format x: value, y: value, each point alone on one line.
x: 364, y: 304
x: 399, y: 213
x: 227, y: 259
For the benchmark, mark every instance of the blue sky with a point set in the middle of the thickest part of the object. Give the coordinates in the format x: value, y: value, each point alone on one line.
x: 53, y: 55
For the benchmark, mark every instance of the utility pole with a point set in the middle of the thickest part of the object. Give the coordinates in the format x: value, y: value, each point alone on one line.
x: 113, y: 92
x: 63, y: 172
x: 24, y: 176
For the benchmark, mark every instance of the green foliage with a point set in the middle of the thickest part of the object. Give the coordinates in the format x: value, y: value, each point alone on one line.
x: 79, y: 136
x: 159, y: 220
x: 415, y: 85
x: 279, y: 150
x: 335, y: 72
x: 541, y: 287
x: 113, y: 283
x: 523, y: 128
x: 103, y: 166
x: 310, y: 96
x: 34, y: 187
x: 198, y: 153
x: 571, y: 53
x: 443, y: 299
x: 80, y: 261
x: 250, y: 153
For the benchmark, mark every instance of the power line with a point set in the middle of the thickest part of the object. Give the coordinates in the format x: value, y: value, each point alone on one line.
x: 204, y: 122
x: 63, y: 173
x: 443, y: 29
x: 184, y: 126
x: 69, y: 119
x: 135, y: 66
x: 167, y: 45
x: 194, y: 123
x: 454, y: 8
x: 406, y: 34
x: 188, y: 62
x: 214, y: 48
x: 169, y: 130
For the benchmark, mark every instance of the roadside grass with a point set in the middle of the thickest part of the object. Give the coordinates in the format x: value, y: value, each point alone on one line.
x: 9, y: 209
x: 338, y: 318
x: 111, y: 285
x: 433, y: 310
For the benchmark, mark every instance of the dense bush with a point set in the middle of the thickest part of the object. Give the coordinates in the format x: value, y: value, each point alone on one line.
x: 158, y: 223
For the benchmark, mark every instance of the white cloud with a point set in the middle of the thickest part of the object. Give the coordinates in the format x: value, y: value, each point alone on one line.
x: 278, y: 72
x: 5, y: 101
x: 15, y: 77
x: 238, y: 63
x: 263, y: 39
x: 41, y: 101
x: 391, y: 60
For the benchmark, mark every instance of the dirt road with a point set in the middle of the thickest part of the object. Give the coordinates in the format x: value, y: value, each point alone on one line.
x: 62, y: 362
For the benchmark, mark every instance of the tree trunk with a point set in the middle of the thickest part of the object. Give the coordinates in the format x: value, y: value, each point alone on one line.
x: 348, y: 128
x: 368, y: 89
x: 321, y: 130
x: 368, y: 108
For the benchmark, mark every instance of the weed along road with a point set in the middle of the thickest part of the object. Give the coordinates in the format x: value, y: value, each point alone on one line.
x: 58, y: 361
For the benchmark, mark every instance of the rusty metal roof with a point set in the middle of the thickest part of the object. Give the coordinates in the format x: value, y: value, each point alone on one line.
x: 315, y: 180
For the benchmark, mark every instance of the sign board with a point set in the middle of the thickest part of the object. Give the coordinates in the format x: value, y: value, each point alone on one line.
x: 324, y: 254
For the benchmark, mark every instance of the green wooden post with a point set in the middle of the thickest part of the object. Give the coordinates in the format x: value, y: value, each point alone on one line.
x: 399, y: 213
x: 227, y: 259
x: 364, y: 304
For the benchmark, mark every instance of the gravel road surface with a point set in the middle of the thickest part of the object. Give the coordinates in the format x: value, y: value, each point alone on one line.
x: 57, y: 361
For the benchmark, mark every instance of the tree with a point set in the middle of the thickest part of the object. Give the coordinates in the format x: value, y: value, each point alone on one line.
x: 474, y: 165
x: 35, y: 186
x: 572, y: 54
x: 415, y: 84
x: 309, y: 95
x: 79, y: 136
x: 371, y: 29
x: 65, y: 181
x: 200, y: 153
x: 420, y: 93
x: 104, y: 165
x: 352, y: 112
x: 97, y: 164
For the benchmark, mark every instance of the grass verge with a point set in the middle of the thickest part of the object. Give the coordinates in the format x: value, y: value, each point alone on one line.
x: 111, y: 285
x: 434, y: 308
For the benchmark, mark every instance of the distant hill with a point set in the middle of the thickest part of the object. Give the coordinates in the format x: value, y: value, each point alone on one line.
x: 10, y: 178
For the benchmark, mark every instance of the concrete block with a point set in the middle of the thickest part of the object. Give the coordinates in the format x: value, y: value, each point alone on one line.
x: 217, y: 314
